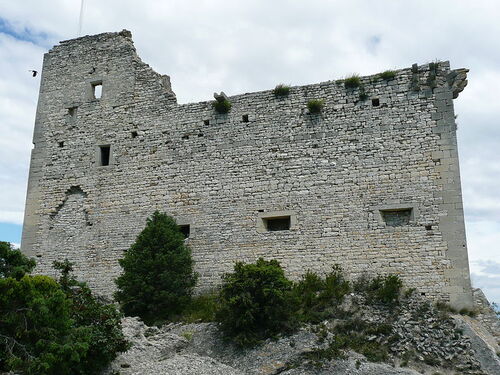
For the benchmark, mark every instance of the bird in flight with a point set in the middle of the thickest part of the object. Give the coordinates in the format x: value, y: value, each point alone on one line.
x: 34, y: 72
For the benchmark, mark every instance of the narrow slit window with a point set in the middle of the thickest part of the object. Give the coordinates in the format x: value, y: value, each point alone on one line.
x: 72, y: 112
x: 185, y: 230
x: 105, y: 155
x: 97, y: 90
x: 274, y: 224
x: 397, y: 218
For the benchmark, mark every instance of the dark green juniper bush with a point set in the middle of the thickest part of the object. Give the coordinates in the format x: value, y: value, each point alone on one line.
x: 158, y: 277
x: 255, y: 303
x: 51, y: 328
x: 13, y: 263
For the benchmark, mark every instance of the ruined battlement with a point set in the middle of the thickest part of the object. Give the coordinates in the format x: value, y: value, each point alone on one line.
x: 371, y: 182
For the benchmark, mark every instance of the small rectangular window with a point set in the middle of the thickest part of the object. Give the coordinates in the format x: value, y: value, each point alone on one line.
x: 375, y: 102
x: 397, y: 217
x: 206, y: 122
x: 244, y: 118
x: 105, y: 155
x: 60, y: 144
x: 273, y: 224
x: 185, y: 230
x: 72, y: 112
x: 97, y: 90
x: 134, y: 134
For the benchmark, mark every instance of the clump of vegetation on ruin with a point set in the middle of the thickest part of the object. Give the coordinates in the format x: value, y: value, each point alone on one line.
x: 223, y: 106
x: 352, y: 82
x: 281, y: 90
x: 387, y: 75
x: 315, y: 105
x: 255, y: 303
x: 158, y: 278
x: 53, y: 326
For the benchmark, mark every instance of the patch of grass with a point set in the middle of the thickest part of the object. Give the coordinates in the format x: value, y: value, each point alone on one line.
x: 352, y: 82
x: 201, y: 309
x: 315, y: 105
x: 387, y: 75
x: 281, y: 90
x: 222, y: 106
x: 188, y: 335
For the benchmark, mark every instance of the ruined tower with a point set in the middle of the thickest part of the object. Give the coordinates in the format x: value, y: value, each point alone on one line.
x: 371, y: 182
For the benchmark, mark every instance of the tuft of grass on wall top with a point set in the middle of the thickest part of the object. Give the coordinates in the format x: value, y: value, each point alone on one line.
x: 352, y: 82
x: 387, y: 75
x: 281, y: 90
x: 315, y: 105
x: 222, y: 106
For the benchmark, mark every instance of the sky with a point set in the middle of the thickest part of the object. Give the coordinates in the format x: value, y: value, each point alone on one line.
x: 242, y: 46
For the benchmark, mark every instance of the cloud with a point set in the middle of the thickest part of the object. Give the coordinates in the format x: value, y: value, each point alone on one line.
x: 486, y: 275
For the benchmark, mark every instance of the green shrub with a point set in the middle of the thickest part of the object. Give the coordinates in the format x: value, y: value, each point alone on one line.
x: 319, y: 298
x: 47, y: 331
x: 158, y: 277
x: 223, y: 106
x: 385, y: 289
x: 381, y: 289
x: 13, y: 263
x: 388, y: 75
x: 315, y: 105
x: 281, y: 90
x: 255, y: 302
x: 352, y: 82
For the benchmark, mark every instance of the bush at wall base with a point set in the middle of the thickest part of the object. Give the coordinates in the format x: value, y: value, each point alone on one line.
x: 158, y: 277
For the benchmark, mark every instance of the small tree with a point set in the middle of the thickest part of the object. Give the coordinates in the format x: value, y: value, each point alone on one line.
x: 13, y: 263
x: 47, y: 328
x: 255, y: 302
x: 158, y: 277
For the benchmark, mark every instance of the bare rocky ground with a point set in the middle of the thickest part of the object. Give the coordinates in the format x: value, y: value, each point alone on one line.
x: 459, y: 345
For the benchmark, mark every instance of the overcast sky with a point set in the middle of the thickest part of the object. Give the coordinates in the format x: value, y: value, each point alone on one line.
x: 242, y: 46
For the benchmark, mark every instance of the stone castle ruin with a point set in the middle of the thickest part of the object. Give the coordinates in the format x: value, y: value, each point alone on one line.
x: 371, y: 182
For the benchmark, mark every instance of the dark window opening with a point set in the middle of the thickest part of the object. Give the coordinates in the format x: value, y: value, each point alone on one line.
x: 274, y: 224
x: 422, y: 294
x: 105, y: 155
x: 134, y: 134
x: 185, y: 230
x: 261, y: 210
x: 397, y: 218
x: 428, y: 227
x: 200, y: 135
x: 206, y: 122
x: 185, y: 136
x: 375, y: 102
x: 97, y: 90
x: 72, y: 111
x: 244, y: 118
x: 61, y: 144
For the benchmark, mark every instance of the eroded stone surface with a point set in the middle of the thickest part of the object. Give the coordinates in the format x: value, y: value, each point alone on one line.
x: 332, y: 172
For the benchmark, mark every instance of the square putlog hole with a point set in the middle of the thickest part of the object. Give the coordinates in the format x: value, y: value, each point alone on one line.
x: 244, y: 118
x: 375, y: 102
x: 185, y: 230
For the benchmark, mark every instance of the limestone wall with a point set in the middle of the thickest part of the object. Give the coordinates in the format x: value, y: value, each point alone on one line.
x: 334, y: 174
